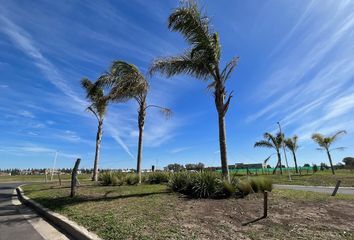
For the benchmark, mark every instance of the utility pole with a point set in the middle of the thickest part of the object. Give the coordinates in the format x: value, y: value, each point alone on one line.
x: 283, y: 144
x: 55, y: 161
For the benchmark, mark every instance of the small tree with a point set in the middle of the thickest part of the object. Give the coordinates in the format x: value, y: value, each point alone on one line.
x: 291, y: 144
x: 325, y: 143
x: 274, y: 142
x: 175, y: 167
x: 349, y: 162
x: 98, y: 107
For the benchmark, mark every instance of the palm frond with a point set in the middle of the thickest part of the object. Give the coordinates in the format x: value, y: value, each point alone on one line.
x: 338, y: 148
x: 183, y: 64
x: 225, y: 74
x: 338, y: 134
x: 125, y: 81
x: 188, y: 20
x: 264, y: 143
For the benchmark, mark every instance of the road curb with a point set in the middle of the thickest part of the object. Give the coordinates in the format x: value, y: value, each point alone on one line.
x: 68, y: 226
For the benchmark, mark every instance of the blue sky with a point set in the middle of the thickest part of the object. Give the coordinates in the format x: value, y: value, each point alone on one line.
x: 296, y: 66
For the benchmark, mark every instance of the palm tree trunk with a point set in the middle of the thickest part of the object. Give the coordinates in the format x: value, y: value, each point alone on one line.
x: 223, y: 153
x: 294, y: 155
x: 330, y: 161
x: 97, y: 153
x: 141, y: 122
x: 140, y: 152
x: 278, y: 164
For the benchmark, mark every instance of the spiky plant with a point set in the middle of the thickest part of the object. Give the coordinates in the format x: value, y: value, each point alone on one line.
x: 98, y: 107
x: 202, y: 61
x: 274, y: 142
x: 291, y: 144
x: 325, y: 143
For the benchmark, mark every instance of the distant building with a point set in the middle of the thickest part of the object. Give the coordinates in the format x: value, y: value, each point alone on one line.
x: 248, y: 165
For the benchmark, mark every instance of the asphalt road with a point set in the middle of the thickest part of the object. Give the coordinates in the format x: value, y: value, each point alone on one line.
x: 320, y: 189
x: 19, y: 222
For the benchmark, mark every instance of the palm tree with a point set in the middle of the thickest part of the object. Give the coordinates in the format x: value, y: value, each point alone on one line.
x: 201, y: 61
x: 274, y: 142
x: 98, y: 107
x: 126, y: 82
x: 325, y: 143
x: 291, y: 144
x: 143, y: 106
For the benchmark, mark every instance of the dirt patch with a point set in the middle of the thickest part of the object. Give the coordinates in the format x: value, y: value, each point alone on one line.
x: 287, y: 219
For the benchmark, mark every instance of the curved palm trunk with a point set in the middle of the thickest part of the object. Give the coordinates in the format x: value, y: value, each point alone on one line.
x: 141, y: 122
x: 294, y: 155
x: 97, y: 153
x: 330, y: 161
x: 222, y: 107
x: 278, y: 164
x: 222, y: 143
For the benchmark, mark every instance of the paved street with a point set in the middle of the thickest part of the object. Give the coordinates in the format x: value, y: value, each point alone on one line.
x: 329, y: 190
x: 19, y: 222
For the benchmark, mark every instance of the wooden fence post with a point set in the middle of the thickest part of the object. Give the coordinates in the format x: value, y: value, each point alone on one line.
x: 336, y: 188
x: 74, y: 178
x: 265, y: 204
x: 59, y: 177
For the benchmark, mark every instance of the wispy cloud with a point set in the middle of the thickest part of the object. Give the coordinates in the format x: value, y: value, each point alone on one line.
x: 26, y: 114
x: 307, y: 85
x: 181, y: 149
x: 24, y: 41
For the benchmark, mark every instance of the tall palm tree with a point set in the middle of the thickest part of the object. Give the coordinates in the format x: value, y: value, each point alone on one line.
x: 98, y: 107
x: 325, y: 143
x: 126, y: 82
x: 291, y: 144
x: 202, y: 61
x: 143, y: 106
x: 274, y: 142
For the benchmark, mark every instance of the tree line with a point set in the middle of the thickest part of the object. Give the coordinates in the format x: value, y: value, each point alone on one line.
x: 278, y: 140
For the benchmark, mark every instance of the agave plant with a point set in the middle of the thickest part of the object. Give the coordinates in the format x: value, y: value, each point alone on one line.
x: 202, y: 61
x: 98, y: 107
x: 274, y: 142
x: 325, y: 143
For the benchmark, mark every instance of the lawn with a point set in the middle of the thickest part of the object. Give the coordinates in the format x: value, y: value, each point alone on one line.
x: 39, y: 178
x: 320, y: 178
x: 153, y: 212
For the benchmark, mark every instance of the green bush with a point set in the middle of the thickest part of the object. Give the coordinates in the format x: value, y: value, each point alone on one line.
x: 181, y: 182
x: 132, y: 179
x: 206, y: 184
x: 228, y: 189
x: 261, y: 184
x: 111, y: 178
x: 157, y: 177
x: 243, y: 188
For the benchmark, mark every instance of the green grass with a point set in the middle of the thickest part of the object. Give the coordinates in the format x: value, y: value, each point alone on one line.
x: 39, y: 178
x: 152, y: 211
x: 298, y: 195
x: 124, y: 212
x: 320, y: 178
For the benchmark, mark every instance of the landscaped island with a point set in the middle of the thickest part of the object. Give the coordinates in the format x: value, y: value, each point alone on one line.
x: 153, y: 211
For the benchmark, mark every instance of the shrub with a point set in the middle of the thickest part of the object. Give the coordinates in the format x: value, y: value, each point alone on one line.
x: 111, y: 178
x: 261, y: 184
x: 243, y: 188
x: 206, y: 184
x: 132, y: 179
x: 228, y: 189
x: 181, y: 182
x: 157, y: 177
